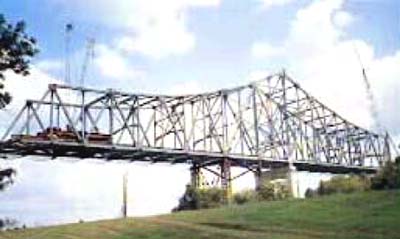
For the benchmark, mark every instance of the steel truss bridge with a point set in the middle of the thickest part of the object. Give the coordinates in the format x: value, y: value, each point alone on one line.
x: 267, y: 124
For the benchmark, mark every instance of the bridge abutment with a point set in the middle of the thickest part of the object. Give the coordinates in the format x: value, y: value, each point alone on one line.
x: 280, y: 175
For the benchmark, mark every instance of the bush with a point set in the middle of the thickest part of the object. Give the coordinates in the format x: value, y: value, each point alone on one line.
x: 188, y: 201
x: 210, y: 197
x: 245, y: 196
x: 388, y: 176
x: 310, y: 193
x: 200, y: 198
x: 266, y: 191
x: 194, y: 199
x: 342, y: 184
x: 273, y: 191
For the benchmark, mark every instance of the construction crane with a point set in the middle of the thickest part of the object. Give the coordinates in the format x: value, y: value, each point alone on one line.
x: 377, y: 125
x: 68, y: 32
x: 89, y: 55
x: 370, y: 96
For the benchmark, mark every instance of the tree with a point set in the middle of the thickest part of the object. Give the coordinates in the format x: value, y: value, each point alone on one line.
x: 6, y: 176
x: 388, y: 176
x: 16, y: 51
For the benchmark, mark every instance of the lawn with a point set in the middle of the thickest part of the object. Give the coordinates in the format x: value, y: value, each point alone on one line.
x: 361, y: 215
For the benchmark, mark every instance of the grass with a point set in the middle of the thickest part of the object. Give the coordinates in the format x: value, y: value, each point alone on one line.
x: 361, y: 215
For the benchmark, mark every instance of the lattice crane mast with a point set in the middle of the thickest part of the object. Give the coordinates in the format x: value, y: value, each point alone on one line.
x: 88, y: 56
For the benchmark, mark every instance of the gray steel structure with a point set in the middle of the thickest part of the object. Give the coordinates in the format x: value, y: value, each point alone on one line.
x: 269, y: 123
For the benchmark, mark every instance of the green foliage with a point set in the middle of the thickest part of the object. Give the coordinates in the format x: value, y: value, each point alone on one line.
x: 200, y: 198
x: 213, y: 197
x: 341, y: 184
x: 16, y: 50
x: 266, y: 191
x: 245, y: 197
x: 344, y: 184
x: 210, y: 197
x: 388, y: 176
x: 188, y: 201
x: 269, y: 191
x: 310, y: 193
x: 7, y: 223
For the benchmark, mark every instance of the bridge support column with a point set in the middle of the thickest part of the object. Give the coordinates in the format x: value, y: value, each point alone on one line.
x: 195, y: 176
x: 258, y: 178
x: 292, y: 184
x: 226, y: 180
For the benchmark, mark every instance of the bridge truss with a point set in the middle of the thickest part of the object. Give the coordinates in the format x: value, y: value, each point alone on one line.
x: 269, y: 123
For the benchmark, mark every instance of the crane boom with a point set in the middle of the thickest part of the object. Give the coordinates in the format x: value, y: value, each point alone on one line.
x: 373, y: 108
x: 89, y: 55
x: 372, y: 105
x: 370, y: 95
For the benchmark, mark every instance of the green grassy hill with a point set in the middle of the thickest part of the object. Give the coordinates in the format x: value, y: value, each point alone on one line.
x: 362, y: 215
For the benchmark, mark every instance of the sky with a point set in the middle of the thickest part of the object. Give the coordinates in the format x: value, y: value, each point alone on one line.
x: 191, y: 46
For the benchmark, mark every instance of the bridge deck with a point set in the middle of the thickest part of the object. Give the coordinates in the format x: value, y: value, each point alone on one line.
x: 158, y: 155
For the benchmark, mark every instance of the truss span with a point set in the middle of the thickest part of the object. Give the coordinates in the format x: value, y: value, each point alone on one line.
x: 269, y: 122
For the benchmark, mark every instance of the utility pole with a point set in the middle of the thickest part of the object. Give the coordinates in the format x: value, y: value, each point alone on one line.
x: 125, y: 195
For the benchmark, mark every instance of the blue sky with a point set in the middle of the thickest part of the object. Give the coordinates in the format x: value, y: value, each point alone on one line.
x: 223, y: 31
x: 186, y: 46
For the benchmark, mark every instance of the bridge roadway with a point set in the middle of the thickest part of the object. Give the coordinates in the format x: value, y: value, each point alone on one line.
x: 162, y: 155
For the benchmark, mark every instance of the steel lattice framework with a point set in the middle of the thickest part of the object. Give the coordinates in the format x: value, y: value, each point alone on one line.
x: 267, y: 123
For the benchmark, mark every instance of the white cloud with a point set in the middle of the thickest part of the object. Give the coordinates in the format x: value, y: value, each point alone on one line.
x: 186, y: 87
x: 113, y: 64
x: 32, y: 86
x: 50, y: 65
x: 108, y: 67
x: 384, y: 74
x: 343, y: 19
x: 22, y: 88
x: 273, y: 3
x: 318, y: 54
x: 162, y: 40
x: 153, y: 28
x: 258, y: 75
x: 265, y: 50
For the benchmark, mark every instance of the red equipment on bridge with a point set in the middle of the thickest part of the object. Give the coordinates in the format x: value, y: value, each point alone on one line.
x: 63, y: 135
